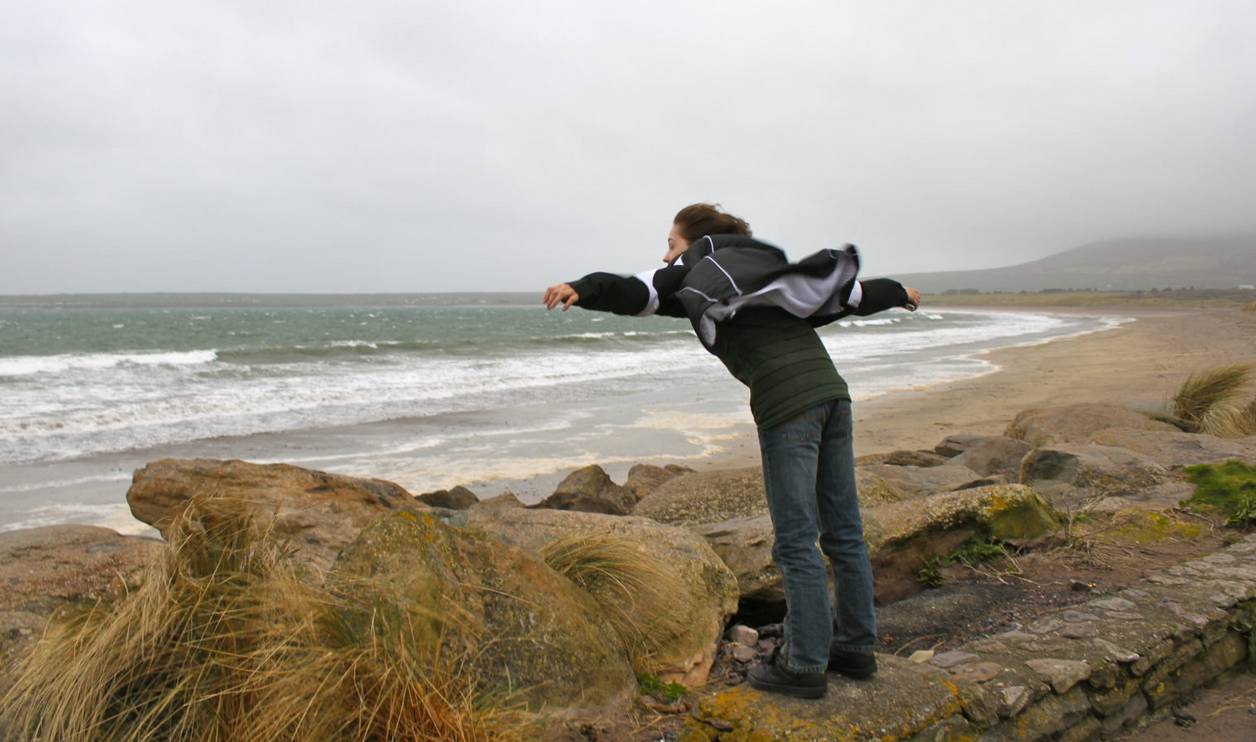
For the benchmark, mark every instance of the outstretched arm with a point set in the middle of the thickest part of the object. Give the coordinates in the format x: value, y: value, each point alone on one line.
x: 643, y: 294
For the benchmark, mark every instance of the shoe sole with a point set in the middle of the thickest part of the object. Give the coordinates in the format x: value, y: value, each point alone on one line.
x: 789, y: 690
x: 854, y: 674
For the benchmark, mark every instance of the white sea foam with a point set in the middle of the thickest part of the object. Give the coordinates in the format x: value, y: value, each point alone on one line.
x: 61, y: 407
x: 26, y: 365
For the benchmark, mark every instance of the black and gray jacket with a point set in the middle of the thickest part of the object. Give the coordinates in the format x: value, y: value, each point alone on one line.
x: 722, y: 274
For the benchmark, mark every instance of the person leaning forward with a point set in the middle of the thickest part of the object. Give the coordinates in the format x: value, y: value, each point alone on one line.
x: 757, y: 313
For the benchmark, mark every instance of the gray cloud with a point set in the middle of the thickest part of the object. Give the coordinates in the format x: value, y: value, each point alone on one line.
x: 380, y: 146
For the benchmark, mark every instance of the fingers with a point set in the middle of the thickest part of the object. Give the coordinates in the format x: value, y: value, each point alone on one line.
x: 560, y: 294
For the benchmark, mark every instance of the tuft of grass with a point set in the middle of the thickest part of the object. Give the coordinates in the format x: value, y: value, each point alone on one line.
x: 1231, y: 421
x: 1228, y: 488
x: 652, y: 685
x: 1204, y: 393
x: 930, y: 573
x: 227, y: 639
x: 1251, y: 307
x: 634, y: 588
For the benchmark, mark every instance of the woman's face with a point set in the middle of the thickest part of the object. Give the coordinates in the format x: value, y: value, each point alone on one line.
x: 676, y: 245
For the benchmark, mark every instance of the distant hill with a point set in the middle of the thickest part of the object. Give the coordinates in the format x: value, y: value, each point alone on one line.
x: 1120, y: 265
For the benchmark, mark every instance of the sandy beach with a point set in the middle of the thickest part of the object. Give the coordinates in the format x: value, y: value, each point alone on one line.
x: 1139, y: 364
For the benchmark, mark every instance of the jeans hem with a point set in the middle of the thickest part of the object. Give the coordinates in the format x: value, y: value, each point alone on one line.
x: 857, y: 648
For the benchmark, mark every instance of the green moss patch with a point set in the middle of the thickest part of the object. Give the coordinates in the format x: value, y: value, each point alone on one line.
x: 1148, y: 528
x: 652, y: 685
x: 1228, y: 488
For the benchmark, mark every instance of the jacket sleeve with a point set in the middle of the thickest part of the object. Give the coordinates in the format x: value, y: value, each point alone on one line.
x: 880, y: 294
x: 646, y: 293
x: 607, y: 292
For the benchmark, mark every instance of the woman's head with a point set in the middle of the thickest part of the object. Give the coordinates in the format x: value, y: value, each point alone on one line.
x: 696, y: 220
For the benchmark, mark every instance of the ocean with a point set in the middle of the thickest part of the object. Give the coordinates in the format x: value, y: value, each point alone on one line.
x: 427, y: 390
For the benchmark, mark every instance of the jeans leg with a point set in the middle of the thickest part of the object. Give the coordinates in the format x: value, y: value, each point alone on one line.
x: 790, y: 456
x: 841, y: 534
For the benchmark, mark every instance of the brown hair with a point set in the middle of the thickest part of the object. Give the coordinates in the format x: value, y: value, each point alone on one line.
x: 696, y: 220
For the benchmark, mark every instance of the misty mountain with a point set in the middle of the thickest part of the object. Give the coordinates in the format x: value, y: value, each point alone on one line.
x: 1121, y: 265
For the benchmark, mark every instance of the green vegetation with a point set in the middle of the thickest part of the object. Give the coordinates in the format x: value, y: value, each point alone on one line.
x: 635, y: 590
x: 1228, y: 488
x: 652, y: 685
x: 228, y: 639
x: 1209, y: 402
x: 972, y: 552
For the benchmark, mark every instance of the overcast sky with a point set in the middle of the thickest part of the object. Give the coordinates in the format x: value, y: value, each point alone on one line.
x: 465, y: 145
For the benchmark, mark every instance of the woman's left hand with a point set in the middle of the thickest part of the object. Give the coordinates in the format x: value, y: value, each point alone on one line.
x: 913, y: 298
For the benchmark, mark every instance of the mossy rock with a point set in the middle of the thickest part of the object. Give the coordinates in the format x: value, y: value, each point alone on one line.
x: 1139, y: 527
x: 527, y: 633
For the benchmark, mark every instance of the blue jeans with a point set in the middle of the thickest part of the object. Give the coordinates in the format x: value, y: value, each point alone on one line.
x: 809, y: 475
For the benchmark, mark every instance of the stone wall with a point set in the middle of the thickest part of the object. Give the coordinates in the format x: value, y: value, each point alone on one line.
x: 1088, y: 672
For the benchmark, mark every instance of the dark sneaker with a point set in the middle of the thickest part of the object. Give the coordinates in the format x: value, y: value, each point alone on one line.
x: 774, y: 678
x: 857, y: 665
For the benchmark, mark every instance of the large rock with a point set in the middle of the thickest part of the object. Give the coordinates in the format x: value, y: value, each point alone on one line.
x: 901, y: 536
x: 706, y: 497
x: 994, y: 455
x: 644, y: 479
x: 318, y: 513
x: 1099, y: 470
x: 590, y: 490
x: 458, y: 498
x: 710, y: 588
x: 525, y: 630
x: 44, y: 569
x: 1176, y: 448
x: 1076, y: 423
x: 903, y: 458
x: 887, y: 483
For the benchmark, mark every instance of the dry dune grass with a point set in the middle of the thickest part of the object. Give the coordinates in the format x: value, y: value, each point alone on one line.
x: 1251, y: 307
x: 224, y: 640
x: 635, y: 590
x: 1210, y: 402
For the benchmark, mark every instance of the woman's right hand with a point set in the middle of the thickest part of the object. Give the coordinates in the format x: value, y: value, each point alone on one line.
x: 913, y: 298
x: 561, y: 293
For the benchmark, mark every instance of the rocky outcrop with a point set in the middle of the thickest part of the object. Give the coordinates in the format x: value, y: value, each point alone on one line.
x: 1076, y: 423
x: 46, y: 569
x: 1176, y: 448
x: 953, y: 445
x: 709, y: 593
x: 1070, y: 472
x: 1083, y: 673
x: 994, y: 455
x: 505, y: 501
x: 901, y: 536
x: 590, y: 490
x: 644, y: 479
x: 458, y: 498
x: 528, y: 633
x: 319, y: 513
